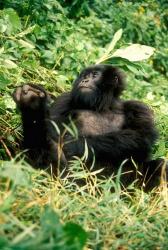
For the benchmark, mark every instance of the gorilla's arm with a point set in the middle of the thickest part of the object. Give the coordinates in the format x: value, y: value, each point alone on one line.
x: 39, y: 136
x: 32, y: 102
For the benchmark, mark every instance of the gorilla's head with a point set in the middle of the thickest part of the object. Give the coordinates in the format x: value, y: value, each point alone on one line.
x: 97, y: 87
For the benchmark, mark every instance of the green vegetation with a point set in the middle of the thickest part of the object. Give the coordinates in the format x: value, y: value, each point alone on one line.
x: 49, y: 42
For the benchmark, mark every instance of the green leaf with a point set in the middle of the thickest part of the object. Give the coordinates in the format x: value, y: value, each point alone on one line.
x: 4, y: 243
x: 16, y: 173
x: 4, y: 81
x: 125, y: 64
x: 50, y: 221
x: 13, y: 19
x: 75, y: 234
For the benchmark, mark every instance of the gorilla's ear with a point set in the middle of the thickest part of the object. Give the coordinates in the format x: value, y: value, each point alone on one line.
x: 112, y: 78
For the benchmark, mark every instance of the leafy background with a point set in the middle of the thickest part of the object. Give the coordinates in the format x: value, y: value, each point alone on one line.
x: 49, y: 42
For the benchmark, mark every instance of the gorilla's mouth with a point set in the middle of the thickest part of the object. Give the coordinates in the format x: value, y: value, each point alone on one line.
x: 85, y: 89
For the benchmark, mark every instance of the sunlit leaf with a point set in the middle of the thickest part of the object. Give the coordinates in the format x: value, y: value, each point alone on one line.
x: 1, y: 50
x: 9, y: 64
x: 135, y: 52
x: 116, y: 38
x: 26, y: 44
x: 3, y: 27
x: 27, y: 31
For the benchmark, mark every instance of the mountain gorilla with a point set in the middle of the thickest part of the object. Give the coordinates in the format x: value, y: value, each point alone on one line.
x: 114, y: 129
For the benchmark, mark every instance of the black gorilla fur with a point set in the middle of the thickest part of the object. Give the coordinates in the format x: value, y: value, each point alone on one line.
x: 115, y: 129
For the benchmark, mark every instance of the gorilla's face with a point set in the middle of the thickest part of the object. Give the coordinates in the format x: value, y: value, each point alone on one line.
x: 90, y: 81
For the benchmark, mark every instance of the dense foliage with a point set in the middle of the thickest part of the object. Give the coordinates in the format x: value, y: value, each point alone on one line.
x: 49, y: 42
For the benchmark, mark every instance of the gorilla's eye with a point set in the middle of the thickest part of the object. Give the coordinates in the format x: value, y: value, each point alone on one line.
x: 95, y: 73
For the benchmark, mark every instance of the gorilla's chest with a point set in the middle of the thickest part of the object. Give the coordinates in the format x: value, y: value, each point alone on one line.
x: 92, y: 123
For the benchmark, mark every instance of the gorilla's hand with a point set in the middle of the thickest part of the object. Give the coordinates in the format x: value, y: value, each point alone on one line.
x: 29, y: 96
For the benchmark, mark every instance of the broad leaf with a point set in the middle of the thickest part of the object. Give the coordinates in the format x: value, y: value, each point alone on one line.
x: 135, y: 52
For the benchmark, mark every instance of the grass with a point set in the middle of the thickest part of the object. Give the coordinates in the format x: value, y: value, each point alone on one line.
x: 35, y: 209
